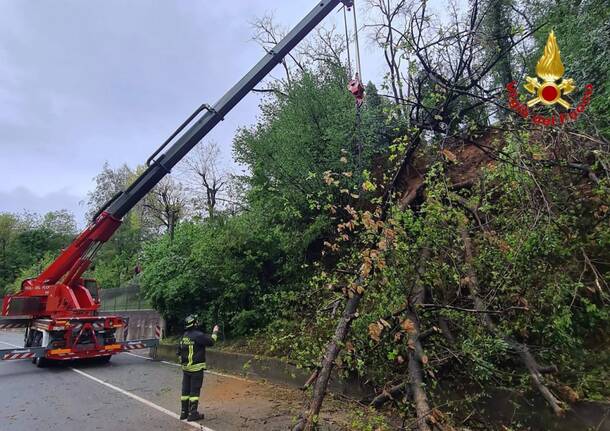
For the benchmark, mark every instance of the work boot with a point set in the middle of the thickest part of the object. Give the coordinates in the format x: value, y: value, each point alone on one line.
x: 194, y: 415
x: 184, y: 411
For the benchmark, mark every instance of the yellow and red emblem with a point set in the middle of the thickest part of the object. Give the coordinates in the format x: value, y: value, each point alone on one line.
x: 549, y: 87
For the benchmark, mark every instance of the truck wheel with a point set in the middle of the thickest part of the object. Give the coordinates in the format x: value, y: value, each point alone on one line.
x: 104, y: 359
x: 40, y: 362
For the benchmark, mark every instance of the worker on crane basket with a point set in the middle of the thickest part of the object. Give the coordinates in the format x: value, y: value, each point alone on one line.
x: 191, y: 351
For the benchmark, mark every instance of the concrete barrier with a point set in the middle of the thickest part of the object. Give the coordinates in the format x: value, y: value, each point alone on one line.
x: 142, y: 324
x: 270, y: 369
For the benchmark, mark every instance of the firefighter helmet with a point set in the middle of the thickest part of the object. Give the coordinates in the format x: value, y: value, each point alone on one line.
x: 190, y: 321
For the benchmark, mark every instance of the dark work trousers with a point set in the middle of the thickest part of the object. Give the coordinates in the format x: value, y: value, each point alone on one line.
x: 191, y: 385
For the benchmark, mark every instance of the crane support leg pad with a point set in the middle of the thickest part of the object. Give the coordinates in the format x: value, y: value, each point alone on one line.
x: 23, y: 353
x: 139, y: 344
x: 4, y: 325
x: 14, y: 322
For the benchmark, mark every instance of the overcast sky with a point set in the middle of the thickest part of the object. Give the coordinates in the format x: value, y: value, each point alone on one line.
x: 84, y: 82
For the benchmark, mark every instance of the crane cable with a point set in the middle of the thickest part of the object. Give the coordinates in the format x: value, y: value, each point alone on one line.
x: 357, y: 44
x: 355, y: 85
x: 349, y: 59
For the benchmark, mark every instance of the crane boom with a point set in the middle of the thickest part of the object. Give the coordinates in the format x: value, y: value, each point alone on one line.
x: 163, y: 164
x: 60, y: 288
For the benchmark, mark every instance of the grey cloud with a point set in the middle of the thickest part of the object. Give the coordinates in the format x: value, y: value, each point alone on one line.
x: 84, y: 82
x: 22, y: 199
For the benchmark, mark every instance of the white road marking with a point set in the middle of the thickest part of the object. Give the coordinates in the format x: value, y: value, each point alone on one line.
x: 207, y: 371
x: 129, y: 394
x: 142, y: 400
x: 12, y: 345
x: 145, y: 401
x: 139, y: 356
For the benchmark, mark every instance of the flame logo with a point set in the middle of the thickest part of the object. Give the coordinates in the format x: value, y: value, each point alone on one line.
x: 550, y: 67
x: 550, y: 70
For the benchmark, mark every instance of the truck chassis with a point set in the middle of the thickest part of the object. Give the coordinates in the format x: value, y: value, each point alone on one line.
x: 69, y: 338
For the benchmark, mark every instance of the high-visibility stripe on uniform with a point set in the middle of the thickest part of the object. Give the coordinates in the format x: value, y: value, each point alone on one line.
x: 184, y: 398
x: 191, y: 351
x: 194, y: 367
x: 194, y: 399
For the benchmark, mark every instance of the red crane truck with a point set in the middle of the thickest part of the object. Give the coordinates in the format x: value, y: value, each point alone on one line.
x: 59, y: 308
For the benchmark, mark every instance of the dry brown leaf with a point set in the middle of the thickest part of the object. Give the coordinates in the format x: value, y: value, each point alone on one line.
x: 601, y: 211
x: 449, y: 155
x: 408, y: 326
x: 385, y: 323
x: 438, y: 415
x: 567, y: 393
x: 367, y: 220
x: 375, y: 331
x: 351, y: 211
x: 503, y: 245
x: 365, y: 268
x: 328, y: 177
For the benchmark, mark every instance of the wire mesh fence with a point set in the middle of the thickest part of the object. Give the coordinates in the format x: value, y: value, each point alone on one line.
x: 123, y: 298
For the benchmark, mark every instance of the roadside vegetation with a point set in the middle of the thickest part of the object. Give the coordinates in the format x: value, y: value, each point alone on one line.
x: 429, y: 242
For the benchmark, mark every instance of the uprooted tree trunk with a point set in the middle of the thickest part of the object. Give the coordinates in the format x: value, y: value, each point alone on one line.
x: 522, y: 350
x: 416, y: 357
x: 309, y: 418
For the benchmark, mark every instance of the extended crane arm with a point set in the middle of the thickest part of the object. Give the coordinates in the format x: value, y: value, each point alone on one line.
x: 68, y: 268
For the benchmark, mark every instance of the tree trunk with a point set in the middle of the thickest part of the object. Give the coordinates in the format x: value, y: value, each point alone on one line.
x: 416, y: 356
x: 309, y: 419
x: 400, y: 390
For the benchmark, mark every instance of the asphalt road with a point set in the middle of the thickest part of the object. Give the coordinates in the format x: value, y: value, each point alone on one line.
x: 130, y: 393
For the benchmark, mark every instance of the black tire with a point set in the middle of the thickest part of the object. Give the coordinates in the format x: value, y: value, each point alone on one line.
x: 40, y: 362
x: 104, y: 359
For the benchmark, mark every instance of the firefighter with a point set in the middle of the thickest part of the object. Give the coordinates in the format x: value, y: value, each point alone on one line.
x: 191, y: 351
